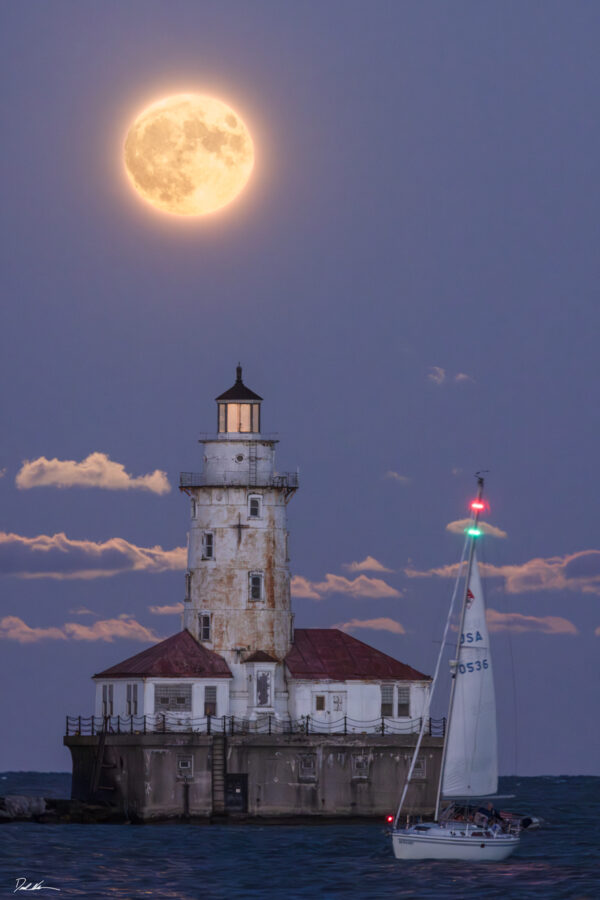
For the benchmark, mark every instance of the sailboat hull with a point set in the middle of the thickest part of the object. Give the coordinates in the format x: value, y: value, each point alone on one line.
x: 435, y: 842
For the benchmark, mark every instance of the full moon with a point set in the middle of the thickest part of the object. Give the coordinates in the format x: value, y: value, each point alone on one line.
x: 188, y: 155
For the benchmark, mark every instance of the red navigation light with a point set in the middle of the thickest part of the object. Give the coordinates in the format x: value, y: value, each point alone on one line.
x: 477, y: 505
x: 389, y: 819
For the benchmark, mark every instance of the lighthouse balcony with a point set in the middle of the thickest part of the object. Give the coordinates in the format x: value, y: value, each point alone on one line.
x: 288, y: 481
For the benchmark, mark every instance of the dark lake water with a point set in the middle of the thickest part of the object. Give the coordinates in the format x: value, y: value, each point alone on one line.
x: 561, y: 860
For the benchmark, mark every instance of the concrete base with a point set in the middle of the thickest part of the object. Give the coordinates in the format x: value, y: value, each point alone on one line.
x: 293, y: 777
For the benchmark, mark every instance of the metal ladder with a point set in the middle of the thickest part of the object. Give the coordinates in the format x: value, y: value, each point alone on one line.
x: 99, y: 764
x: 252, y: 465
x: 218, y: 774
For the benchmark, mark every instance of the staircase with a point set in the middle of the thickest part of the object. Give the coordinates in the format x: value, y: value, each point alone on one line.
x: 100, y: 766
x: 218, y: 774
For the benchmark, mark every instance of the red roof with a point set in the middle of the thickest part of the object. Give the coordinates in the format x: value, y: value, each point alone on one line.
x: 329, y: 653
x: 179, y: 656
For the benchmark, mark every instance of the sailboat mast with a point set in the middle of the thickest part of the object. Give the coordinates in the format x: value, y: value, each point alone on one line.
x: 476, y: 507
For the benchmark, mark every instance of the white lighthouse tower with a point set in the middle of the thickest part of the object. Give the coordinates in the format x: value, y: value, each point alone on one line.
x: 237, y: 600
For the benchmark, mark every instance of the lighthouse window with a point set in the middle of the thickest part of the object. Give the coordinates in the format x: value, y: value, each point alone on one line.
x: 188, y: 585
x: 420, y: 769
x: 245, y: 417
x: 210, y: 700
x: 208, y: 545
x: 307, y: 767
x: 132, y: 699
x: 254, y: 507
x: 360, y: 765
x: 237, y: 417
x: 194, y: 509
x: 320, y: 702
x: 263, y: 688
x: 173, y: 697
x: 205, y: 627
x: 387, y: 699
x: 403, y: 701
x: 256, y: 580
x: 107, y: 699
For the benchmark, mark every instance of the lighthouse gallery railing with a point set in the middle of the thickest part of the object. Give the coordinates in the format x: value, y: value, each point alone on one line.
x: 237, y: 478
x: 267, y: 724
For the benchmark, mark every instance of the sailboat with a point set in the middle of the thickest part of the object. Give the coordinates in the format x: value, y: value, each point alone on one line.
x: 468, y: 828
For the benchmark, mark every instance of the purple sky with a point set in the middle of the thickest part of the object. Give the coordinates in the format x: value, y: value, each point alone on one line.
x: 425, y: 205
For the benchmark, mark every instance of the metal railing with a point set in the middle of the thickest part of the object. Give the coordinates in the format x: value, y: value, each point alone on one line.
x: 286, y: 480
x: 258, y: 436
x: 164, y: 723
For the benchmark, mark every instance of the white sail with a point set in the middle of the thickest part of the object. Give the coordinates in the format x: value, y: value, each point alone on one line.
x: 471, y: 768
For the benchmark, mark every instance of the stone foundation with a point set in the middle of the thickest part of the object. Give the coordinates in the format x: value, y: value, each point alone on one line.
x: 296, y: 776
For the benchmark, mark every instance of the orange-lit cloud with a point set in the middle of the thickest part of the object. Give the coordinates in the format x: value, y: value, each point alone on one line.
x: 14, y: 629
x: 362, y: 586
x: 383, y: 624
x: 368, y: 564
x: 459, y: 526
x: 575, y: 572
x: 302, y: 587
x: 60, y: 557
x: 519, y: 624
x: 96, y: 470
x: 109, y: 629
x: 166, y: 610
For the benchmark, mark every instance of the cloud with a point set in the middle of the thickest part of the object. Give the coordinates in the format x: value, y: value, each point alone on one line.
x: 57, y: 556
x: 519, y: 624
x: 14, y: 629
x: 302, y: 587
x: 395, y: 476
x: 575, y: 572
x: 109, y: 629
x: 383, y: 624
x: 460, y: 525
x: 363, y: 586
x: 166, y: 610
x: 437, y: 375
x: 368, y: 564
x: 597, y: 632
x: 96, y: 470
x: 2, y: 473
x: 82, y: 611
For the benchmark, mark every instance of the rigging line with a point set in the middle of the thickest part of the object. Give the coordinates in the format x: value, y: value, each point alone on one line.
x: 433, y: 684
